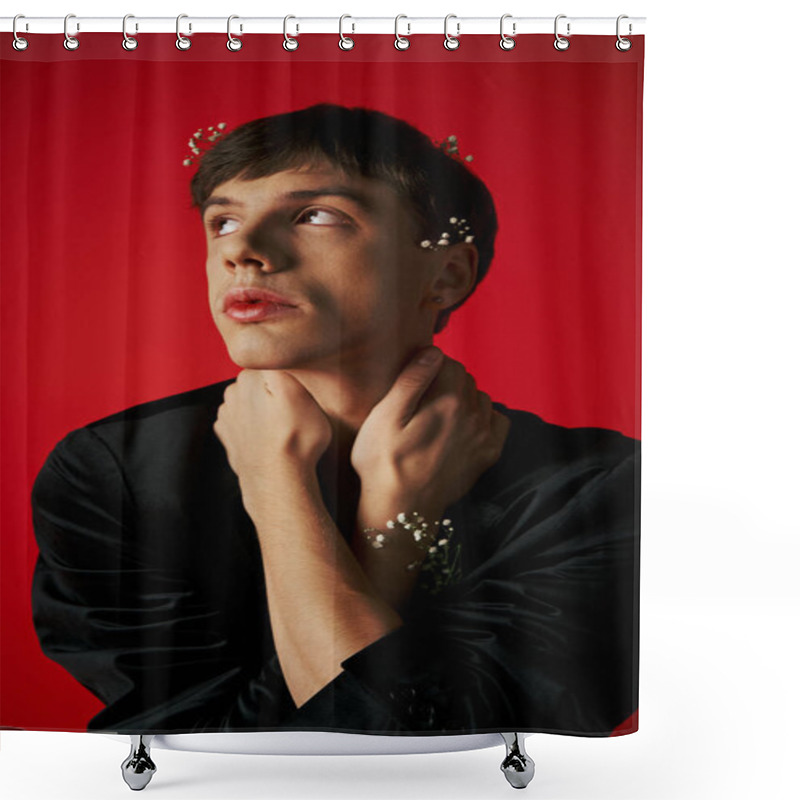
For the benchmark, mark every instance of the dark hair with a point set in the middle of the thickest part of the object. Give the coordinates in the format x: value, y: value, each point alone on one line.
x: 364, y: 142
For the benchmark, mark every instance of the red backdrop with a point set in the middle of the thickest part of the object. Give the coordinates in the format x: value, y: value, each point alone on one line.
x: 98, y: 237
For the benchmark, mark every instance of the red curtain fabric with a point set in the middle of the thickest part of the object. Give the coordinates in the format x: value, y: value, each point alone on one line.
x: 104, y: 296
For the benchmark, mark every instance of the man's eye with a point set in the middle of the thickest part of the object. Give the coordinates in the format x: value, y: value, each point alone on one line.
x: 332, y: 217
x: 217, y: 225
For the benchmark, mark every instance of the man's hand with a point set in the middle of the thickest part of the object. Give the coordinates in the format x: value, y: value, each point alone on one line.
x: 430, y: 437
x: 269, y: 422
x: 421, y: 448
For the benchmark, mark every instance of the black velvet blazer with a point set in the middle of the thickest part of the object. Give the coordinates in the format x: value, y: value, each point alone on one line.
x: 149, y: 589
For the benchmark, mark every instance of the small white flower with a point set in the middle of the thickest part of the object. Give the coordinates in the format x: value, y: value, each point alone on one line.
x: 222, y: 125
x: 442, y: 242
x: 469, y: 238
x: 417, y: 535
x: 431, y: 549
x: 468, y: 158
x: 442, y: 541
x: 426, y: 243
x: 187, y: 162
x: 453, y: 220
x: 390, y: 524
x: 445, y: 522
x: 377, y: 545
x: 380, y: 537
x: 401, y: 517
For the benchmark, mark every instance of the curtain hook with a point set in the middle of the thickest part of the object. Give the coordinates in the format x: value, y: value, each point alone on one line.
x: 182, y: 43
x: 234, y: 43
x: 289, y: 42
x: 345, y: 42
x: 623, y: 45
x: 451, y: 42
x: 70, y: 42
x: 19, y: 43
x: 400, y: 42
x: 507, y: 42
x: 561, y: 43
x: 128, y: 42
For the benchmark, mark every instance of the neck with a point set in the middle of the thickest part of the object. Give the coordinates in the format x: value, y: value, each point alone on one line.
x: 348, y: 392
x: 347, y: 397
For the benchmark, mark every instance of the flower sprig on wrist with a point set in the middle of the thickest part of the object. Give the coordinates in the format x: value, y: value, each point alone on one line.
x: 436, y: 546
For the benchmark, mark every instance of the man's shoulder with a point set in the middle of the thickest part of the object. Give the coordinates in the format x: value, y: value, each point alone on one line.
x: 545, y: 456
x: 199, y: 400
x: 174, y: 423
x: 535, y: 441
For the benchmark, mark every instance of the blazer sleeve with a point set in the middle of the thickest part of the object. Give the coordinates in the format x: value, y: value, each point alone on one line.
x: 130, y: 631
x: 543, y: 635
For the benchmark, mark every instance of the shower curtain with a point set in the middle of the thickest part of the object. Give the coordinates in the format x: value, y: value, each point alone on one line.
x: 233, y: 496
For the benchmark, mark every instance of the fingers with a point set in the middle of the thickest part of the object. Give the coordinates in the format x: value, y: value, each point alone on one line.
x: 412, y: 383
x: 485, y: 408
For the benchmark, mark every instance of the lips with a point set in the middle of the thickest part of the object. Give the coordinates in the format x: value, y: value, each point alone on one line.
x: 253, y: 296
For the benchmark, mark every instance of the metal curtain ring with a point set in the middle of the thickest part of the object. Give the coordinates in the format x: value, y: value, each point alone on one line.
x: 623, y: 45
x: 561, y: 43
x: 289, y: 43
x: 400, y: 42
x: 182, y: 43
x: 451, y: 42
x: 506, y: 42
x: 19, y: 43
x: 345, y: 42
x: 70, y: 42
x: 128, y: 42
x: 233, y: 44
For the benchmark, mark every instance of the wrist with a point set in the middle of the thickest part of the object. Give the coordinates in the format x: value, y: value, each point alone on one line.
x: 375, y: 507
x: 284, y: 486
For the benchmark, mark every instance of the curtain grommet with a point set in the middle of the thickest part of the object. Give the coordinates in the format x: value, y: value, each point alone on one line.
x: 400, y: 42
x: 289, y: 42
x: 182, y: 43
x: 19, y: 43
x: 70, y: 42
x: 507, y: 42
x: 622, y: 44
x: 129, y: 42
x: 234, y: 44
x: 451, y: 42
x: 560, y: 42
x: 345, y: 42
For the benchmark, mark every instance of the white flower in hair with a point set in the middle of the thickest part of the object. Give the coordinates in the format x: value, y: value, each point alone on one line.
x: 211, y: 135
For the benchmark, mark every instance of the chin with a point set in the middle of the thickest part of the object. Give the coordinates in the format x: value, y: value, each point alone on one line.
x: 247, y: 358
x: 250, y: 353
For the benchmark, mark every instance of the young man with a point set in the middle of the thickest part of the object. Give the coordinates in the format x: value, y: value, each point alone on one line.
x: 342, y: 537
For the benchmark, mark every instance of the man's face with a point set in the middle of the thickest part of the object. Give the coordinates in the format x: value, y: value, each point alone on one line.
x: 352, y: 270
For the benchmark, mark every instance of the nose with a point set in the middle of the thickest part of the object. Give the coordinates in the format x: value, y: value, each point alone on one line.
x: 247, y: 250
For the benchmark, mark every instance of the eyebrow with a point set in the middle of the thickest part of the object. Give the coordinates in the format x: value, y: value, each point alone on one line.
x: 359, y: 198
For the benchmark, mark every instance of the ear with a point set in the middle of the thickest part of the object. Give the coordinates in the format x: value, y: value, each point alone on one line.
x: 458, y: 273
